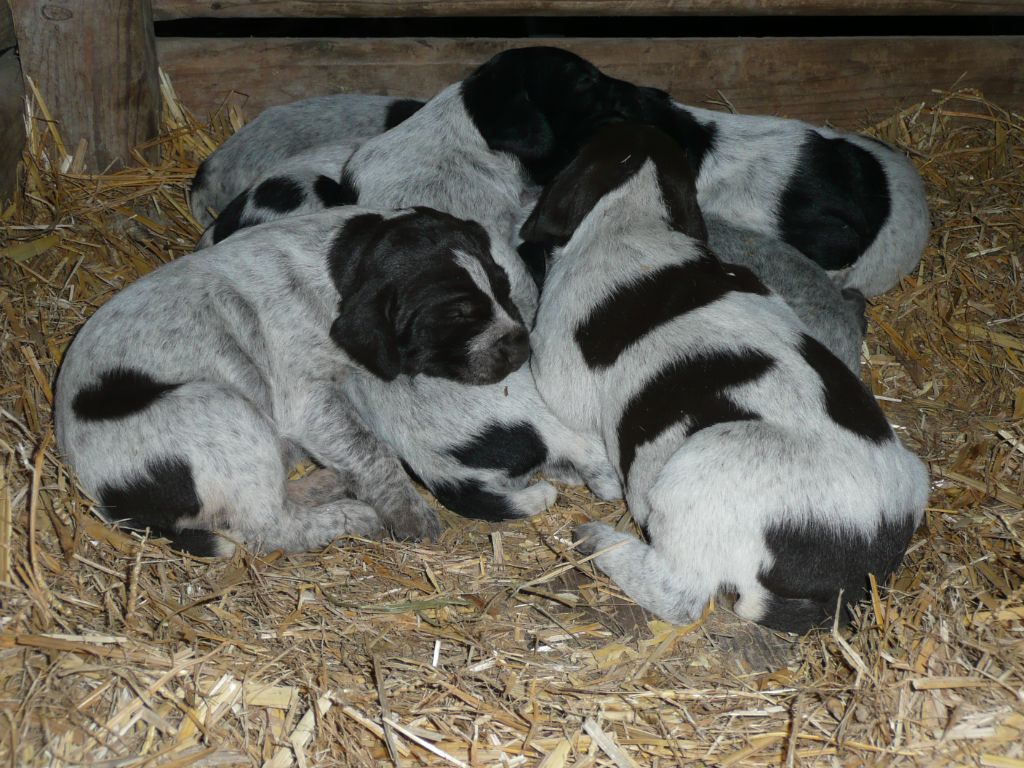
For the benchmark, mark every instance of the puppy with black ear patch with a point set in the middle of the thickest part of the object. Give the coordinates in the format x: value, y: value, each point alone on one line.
x: 184, y: 401
x: 756, y: 461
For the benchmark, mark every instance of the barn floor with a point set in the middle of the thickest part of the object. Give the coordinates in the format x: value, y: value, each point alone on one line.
x: 492, y: 646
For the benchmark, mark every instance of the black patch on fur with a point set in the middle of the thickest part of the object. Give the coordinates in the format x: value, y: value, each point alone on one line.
x: 399, y: 111
x: 279, y: 193
x: 813, y: 562
x: 120, y: 392
x: 535, y: 257
x: 692, y: 390
x: 835, y: 203
x: 470, y: 499
x: 336, y: 193
x: 543, y: 104
x: 230, y: 219
x: 164, y: 494
x: 847, y: 400
x: 636, y: 309
x: 516, y: 449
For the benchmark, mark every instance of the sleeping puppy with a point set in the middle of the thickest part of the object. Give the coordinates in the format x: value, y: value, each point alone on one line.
x: 282, y: 132
x: 184, y: 401
x: 755, y: 460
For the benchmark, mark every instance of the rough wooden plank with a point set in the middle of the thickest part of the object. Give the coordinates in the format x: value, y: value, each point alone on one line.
x: 95, y: 65
x: 6, y: 27
x: 847, y: 81
x: 12, y: 127
x: 178, y: 9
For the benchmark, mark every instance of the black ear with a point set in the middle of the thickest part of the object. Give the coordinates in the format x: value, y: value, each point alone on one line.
x: 677, y: 180
x: 573, y: 193
x: 364, y: 328
x: 497, y: 99
x: 364, y: 331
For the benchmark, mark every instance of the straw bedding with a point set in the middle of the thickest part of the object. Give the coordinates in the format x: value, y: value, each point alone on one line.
x: 496, y: 645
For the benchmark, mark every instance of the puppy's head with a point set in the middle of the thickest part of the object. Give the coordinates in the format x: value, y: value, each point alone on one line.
x: 420, y: 293
x: 606, y: 163
x: 542, y: 104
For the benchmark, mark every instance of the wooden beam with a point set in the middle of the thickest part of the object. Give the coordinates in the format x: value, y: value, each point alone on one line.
x: 847, y: 81
x: 94, y: 62
x: 183, y: 9
x: 12, y: 124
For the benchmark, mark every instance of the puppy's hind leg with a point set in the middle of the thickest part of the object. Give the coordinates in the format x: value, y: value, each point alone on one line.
x: 639, y: 570
x: 211, y: 462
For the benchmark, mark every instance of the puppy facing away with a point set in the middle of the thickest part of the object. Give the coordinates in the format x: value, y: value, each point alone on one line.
x: 833, y: 316
x: 754, y: 459
x: 184, y: 401
x: 281, y: 132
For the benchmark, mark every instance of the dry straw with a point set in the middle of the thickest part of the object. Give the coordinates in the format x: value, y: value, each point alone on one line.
x: 491, y: 647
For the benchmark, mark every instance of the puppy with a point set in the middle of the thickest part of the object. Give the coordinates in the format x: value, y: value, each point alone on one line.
x: 183, y: 402
x: 755, y: 460
x: 281, y: 132
x: 303, y: 183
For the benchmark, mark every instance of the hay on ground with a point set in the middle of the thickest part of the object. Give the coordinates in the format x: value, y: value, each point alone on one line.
x: 495, y: 646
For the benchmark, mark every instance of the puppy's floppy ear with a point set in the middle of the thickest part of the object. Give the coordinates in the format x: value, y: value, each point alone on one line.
x: 364, y: 328
x: 498, y: 101
x: 573, y: 193
x: 678, y: 184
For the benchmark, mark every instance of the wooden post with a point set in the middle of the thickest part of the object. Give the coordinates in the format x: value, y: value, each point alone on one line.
x: 94, y: 63
x: 12, y: 128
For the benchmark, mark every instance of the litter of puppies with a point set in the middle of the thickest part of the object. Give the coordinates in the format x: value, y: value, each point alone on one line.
x: 840, y: 697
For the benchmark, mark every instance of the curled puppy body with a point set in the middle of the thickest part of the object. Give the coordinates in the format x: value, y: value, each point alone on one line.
x: 279, y: 133
x: 832, y: 316
x: 183, y: 402
x: 756, y: 461
x: 850, y: 203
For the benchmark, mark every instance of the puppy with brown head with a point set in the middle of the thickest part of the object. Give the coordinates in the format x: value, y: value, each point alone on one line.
x: 755, y: 460
x: 184, y: 401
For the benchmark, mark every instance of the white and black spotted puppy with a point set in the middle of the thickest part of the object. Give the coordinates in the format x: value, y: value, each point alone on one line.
x: 184, y: 401
x: 755, y: 460
x: 281, y: 132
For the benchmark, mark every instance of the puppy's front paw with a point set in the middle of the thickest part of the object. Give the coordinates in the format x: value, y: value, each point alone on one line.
x: 534, y: 499
x: 605, y: 486
x: 590, y: 537
x: 411, y: 518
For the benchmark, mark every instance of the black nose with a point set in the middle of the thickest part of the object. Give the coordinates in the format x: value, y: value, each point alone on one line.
x: 514, y: 348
